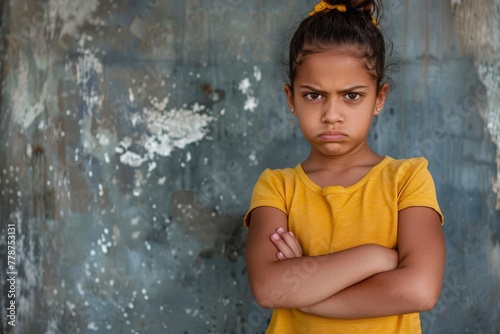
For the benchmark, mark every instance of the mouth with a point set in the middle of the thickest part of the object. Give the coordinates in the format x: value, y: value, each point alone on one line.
x: 332, y: 136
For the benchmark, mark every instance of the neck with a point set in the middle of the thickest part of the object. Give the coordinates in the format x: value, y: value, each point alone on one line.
x: 362, y: 157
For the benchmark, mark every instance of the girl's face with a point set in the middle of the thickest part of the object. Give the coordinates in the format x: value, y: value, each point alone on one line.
x: 335, y: 98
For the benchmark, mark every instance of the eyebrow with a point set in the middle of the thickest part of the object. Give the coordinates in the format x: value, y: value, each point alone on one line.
x: 349, y: 89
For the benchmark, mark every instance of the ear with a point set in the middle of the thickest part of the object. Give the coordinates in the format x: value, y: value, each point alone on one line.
x: 380, y: 100
x: 289, y: 96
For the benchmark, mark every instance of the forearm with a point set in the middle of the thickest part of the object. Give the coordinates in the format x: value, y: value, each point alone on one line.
x: 297, y: 282
x: 414, y: 286
x: 389, y: 293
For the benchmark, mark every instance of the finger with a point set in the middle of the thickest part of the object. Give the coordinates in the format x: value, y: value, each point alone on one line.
x: 291, y: 241
x: 282, y: 246
x: 280, y: 256
x: 293, y: 235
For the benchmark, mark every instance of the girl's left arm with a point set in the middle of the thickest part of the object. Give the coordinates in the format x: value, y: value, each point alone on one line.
x: 414, y: 286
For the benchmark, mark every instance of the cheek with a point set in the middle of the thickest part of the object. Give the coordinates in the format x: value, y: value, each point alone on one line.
x: 305, y: 124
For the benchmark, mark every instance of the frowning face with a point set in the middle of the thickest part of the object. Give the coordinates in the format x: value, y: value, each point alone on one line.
x: 335, y: 98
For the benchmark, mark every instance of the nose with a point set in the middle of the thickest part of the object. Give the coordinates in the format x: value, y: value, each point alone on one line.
x: 332, y: 113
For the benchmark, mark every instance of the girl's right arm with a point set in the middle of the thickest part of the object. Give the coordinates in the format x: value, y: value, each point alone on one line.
x: 303, y: 281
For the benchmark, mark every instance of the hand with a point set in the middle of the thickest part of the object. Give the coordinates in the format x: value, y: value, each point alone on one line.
x: 286, y: 244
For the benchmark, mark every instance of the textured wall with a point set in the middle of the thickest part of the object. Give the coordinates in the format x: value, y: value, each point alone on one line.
x: 132, y: 132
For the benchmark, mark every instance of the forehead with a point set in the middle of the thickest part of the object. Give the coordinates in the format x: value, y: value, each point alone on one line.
x: 334, y: 65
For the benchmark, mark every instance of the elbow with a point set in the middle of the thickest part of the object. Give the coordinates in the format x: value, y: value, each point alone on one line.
x: 427, y: 302
x: 269, y: 298
x: 426, y: 297
x: 267, y: 301
x: 264, y: 303
x: 262, y: 296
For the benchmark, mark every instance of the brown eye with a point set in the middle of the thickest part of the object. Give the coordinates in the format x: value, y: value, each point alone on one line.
x: 352, y: 96
x: 313, y: 96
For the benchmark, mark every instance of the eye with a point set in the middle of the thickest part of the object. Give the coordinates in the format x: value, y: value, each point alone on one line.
x: 353, y: 96
x: 313, y: 96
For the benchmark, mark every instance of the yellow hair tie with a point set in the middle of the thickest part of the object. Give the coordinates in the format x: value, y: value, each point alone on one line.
x: 323, y: 5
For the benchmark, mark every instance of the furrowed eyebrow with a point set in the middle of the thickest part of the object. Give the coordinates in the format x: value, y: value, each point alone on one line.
x: 316, y: 90
x: 347, y: 90
x: 354, y: 88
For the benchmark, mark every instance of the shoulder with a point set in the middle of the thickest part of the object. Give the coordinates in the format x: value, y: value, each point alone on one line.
x: 282, y: 175
x: 277, y: 180
x: 416, y: 162
x: 407, y: 166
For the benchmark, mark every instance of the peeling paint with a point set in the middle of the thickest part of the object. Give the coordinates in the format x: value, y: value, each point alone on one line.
x: 166, y: 130
x: 72, y: 15
x: 481, y: 39
x: 26, y: 110
x: 245, y: 86
x: 89, y: 71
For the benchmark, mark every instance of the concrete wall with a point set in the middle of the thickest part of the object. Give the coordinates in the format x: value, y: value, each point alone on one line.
x: 132, y: 132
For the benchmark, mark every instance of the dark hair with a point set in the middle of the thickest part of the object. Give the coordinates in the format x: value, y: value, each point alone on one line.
x: 353, y: 31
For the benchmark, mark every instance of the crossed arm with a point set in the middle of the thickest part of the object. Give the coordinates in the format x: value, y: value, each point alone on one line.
x: 361, y: 282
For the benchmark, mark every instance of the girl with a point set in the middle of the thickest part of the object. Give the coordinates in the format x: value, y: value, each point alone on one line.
x: 348, y: 241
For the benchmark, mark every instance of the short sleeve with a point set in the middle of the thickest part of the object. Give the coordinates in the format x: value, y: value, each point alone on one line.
x: 417, y: 187
x: 268, y: 191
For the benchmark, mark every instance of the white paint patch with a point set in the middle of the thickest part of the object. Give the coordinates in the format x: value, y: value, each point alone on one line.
x: 151, y: 166
x: 174, y: 129
x: 166, y: 131
x: 131, y: 95
x: 80, y: 289
x: 71, y: 15
x: 132, y: 159
x: 92, y: 326
x: 88, y: 68
x: 244, y: 86
x: 159, y: 105
x: 257, y: 74
x: 103, y: 139
x: 25, y: 110
x: 251, y: 102
x: 29, y: 150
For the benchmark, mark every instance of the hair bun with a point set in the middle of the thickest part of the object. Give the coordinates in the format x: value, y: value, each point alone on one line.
x: 371, y: 8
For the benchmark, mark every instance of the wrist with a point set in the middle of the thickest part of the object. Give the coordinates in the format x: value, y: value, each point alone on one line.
x: 389, y: 259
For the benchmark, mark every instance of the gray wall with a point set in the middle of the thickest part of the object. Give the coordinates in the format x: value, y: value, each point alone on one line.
x: 132, y: 133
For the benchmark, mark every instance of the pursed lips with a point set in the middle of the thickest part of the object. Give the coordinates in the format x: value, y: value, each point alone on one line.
x: 332, y: 136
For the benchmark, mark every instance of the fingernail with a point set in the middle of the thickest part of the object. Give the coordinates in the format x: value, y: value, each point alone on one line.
x: 281, y: 230
x: 291, y: 233
x: 280, y: 255
x: 275, y: 236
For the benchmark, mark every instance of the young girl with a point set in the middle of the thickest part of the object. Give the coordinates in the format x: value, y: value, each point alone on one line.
x: 348, y: 241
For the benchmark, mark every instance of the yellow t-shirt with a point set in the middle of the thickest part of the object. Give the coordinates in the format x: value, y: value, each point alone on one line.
x: 331, y: 219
